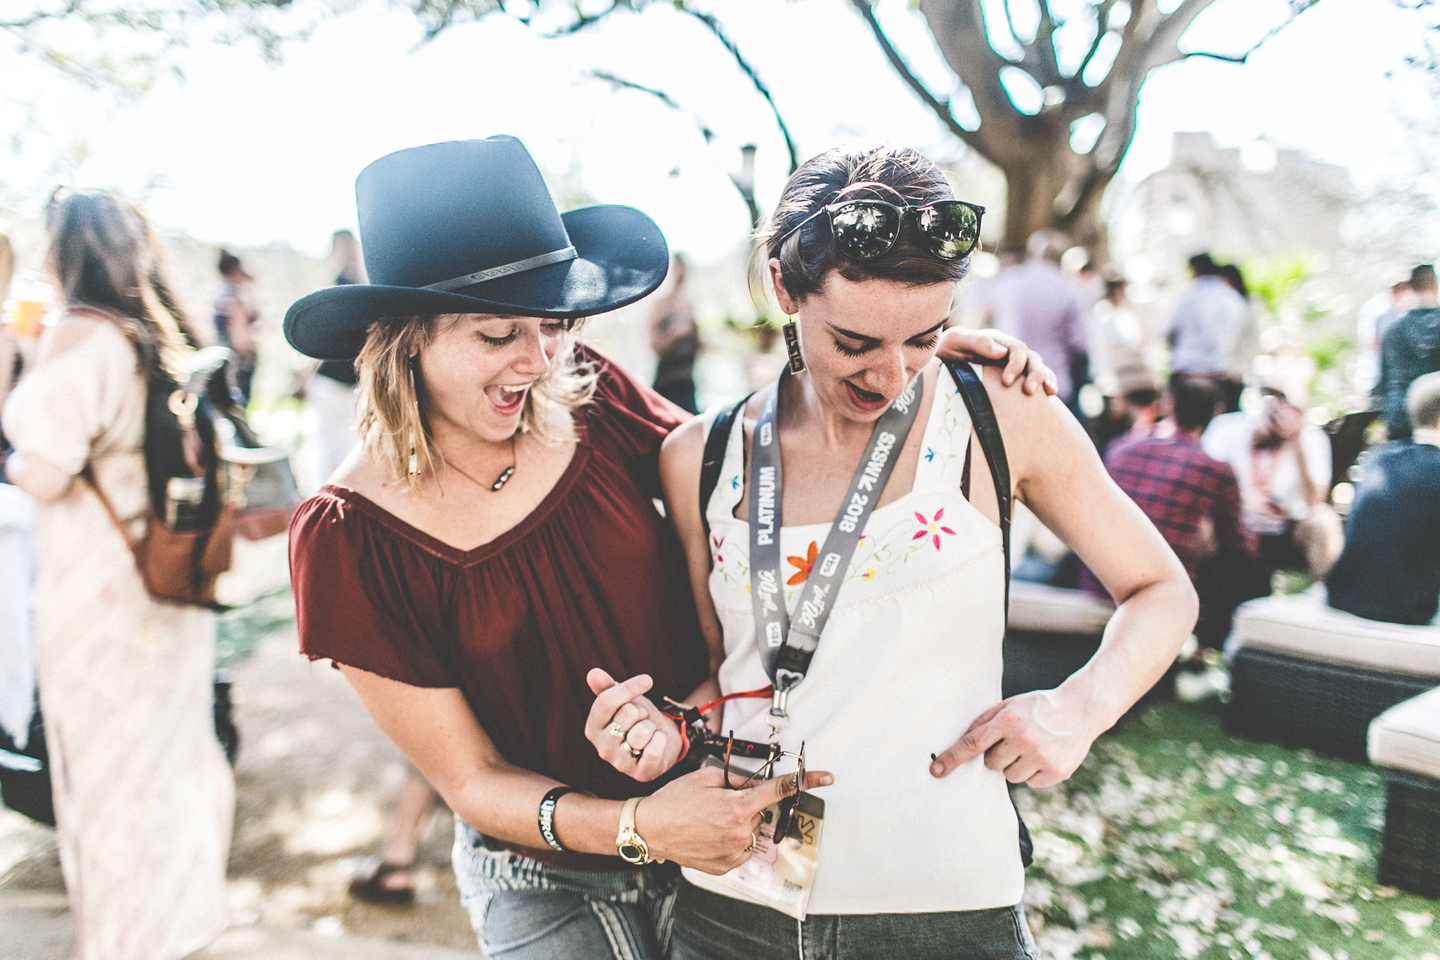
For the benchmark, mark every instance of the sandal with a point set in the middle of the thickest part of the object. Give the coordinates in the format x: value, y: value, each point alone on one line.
x: 371, y: 886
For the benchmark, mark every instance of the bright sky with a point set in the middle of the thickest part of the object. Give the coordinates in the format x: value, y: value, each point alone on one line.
x: 246, y: 153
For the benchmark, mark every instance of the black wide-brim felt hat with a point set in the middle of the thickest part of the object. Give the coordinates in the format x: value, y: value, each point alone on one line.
x: 469, y: 227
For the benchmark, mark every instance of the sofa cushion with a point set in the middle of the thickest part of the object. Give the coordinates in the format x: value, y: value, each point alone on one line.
x: 1045, y: 609
x: 1407, y: 736
x: 1304, y: 625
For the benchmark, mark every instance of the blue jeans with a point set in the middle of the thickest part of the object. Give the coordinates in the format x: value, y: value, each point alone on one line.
x: 522, y: 909
x: 709, y: 926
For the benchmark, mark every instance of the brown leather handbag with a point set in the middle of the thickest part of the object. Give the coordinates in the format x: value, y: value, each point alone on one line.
x: 179, y: 566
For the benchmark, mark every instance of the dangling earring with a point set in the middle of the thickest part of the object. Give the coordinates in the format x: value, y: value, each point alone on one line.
x: 414, y: 460
x: 792, y: 345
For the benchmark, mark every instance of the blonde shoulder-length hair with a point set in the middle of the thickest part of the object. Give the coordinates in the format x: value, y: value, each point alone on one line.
x: 391, y: 414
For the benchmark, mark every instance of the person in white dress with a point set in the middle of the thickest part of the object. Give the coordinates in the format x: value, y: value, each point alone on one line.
x: 144, y: 800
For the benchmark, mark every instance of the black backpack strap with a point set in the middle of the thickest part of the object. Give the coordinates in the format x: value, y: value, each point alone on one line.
x: 982, y: 415
x: 715, y: 445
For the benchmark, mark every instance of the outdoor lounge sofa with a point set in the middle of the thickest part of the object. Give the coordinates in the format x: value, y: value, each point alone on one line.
x: 1303, y: 674
x: 1051, y: 633
x: 1406, y: 741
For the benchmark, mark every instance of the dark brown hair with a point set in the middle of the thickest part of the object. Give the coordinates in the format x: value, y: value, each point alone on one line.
x: 104, y: 254
x: 809, y: 254
x: 1194, y: 400
x: 1422, y: 278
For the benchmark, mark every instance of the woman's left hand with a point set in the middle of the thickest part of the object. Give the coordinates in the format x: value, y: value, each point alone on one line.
x: 1035, y: 738
x: 628, y: 730
x: 971, y: 345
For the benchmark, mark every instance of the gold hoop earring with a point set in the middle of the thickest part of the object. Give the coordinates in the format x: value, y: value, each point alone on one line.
x: 792, y: 345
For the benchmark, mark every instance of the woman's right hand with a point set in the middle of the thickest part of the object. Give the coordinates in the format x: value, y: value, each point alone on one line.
x: 622, y: 717
x: 699, y: 822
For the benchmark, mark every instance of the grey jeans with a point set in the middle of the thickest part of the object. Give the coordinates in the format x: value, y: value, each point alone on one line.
x: 522, y: 909
x: 709, y: 926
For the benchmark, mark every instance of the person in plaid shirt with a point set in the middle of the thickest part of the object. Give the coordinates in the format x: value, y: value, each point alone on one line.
x: 1194, y: 501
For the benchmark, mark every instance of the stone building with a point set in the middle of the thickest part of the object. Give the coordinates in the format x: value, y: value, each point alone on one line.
x: 1237, y: 203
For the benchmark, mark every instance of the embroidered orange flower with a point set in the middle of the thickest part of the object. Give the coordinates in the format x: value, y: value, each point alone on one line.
x: 803, y: 564
x: 932, y: 527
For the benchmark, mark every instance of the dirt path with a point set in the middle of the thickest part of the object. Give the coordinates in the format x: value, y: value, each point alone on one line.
x: 315, y: 781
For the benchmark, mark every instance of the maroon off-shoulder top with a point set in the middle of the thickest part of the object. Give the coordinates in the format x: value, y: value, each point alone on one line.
x: 594, y: 577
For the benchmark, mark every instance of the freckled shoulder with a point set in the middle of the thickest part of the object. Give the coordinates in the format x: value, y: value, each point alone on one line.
x: 1038, y: 430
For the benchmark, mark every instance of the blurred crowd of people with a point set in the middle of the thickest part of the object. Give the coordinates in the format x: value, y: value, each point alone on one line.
x: 1227, y: 456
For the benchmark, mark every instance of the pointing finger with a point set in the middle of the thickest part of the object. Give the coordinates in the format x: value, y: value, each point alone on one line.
x: 975, y: 742
x: 772, y: 791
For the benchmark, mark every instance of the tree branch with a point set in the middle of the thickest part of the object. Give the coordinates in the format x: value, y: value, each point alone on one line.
x: 1102, y: 17
x: 581, y: 22
x: 660, y: 95
x: 939, y: 107
x: 40, y: 16
x: 1161, y: 46
x: 1010, y: 25
x: 1046, y: 64
x: 713, y: 25
x: 1297, y: 8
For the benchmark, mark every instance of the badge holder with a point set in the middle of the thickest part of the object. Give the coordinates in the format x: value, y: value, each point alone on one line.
x: 780, y: 875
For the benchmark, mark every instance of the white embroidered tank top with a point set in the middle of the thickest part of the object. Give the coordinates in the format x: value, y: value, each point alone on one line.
x: 911, y: 655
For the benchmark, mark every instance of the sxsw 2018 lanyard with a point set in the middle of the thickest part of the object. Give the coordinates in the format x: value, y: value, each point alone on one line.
x: 787, y: 647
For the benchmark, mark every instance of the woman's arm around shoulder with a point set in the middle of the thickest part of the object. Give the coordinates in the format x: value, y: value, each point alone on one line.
x: 680, y: 465
x: 1041, y: 737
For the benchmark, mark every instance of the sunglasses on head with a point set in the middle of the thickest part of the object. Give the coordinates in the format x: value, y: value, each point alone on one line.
x: 866, y: 229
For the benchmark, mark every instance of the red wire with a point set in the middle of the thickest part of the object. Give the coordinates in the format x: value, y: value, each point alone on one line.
x: 760, y: 692
x: 746, y: 694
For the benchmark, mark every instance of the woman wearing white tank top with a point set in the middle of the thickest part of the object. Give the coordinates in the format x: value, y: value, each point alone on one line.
x: 883, y: 542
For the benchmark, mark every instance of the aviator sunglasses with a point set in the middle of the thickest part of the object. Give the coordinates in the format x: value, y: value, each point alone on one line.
x: 866, y: 229
x: 697, y: 742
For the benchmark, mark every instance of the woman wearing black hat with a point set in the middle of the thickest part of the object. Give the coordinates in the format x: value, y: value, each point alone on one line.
x: 495, y: 538
x: 855, y: 600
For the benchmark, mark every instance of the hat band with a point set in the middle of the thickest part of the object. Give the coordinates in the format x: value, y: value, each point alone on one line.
x: 504, y: 270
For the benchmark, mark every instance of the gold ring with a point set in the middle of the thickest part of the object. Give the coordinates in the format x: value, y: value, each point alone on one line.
x: 633, y: 752
x: 753, y: 840
x: 615, y: 731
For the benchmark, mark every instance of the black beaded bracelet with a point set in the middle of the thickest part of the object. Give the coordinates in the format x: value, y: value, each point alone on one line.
x: 546, y: 817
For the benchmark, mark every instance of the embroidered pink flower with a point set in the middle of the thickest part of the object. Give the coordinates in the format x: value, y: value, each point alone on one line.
x: 718, y: 542
x: 932, y: 528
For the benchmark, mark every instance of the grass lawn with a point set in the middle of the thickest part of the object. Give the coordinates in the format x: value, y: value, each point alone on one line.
x: 1176, y: 840
x: 239, y: 630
